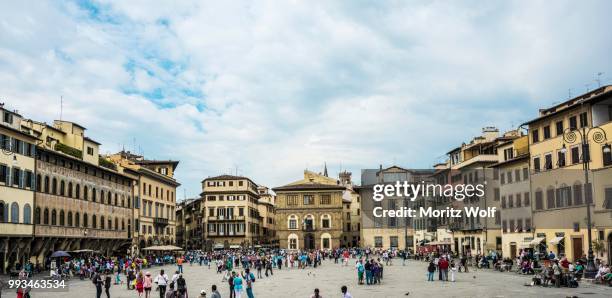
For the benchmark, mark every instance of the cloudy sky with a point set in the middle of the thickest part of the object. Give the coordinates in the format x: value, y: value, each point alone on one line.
x: 268, y: 88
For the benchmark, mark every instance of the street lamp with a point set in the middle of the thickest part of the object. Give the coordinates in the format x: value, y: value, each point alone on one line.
x: 599, y: 136
x: 8, y: 150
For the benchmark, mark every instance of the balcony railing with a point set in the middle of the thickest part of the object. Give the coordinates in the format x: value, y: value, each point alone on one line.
x: 220, y: 218
x: 160, y: 221
x: 73, y: 232
x: 308, y: 228
x: 225, y: 234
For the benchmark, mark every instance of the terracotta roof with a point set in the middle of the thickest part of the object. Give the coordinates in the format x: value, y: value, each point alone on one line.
x: 228, y: 177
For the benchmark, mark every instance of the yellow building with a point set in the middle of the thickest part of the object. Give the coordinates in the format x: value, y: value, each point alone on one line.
x: 309, y: 213
x: 560, y: 194
x: 513, y: 192
x: 17, y: 185
x: 231, y: 212
x: 155, y: 199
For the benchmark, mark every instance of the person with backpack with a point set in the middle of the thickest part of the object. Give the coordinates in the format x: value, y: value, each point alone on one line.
x: 249, y: 278
x: 181, y: 287
x: 230, y: 280
x: 237, y: 285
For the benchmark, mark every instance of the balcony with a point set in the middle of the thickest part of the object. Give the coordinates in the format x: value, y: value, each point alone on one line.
x: 226, y: 218
x: 225, y: 234
x: 308, y: 228
x: 160, y: 221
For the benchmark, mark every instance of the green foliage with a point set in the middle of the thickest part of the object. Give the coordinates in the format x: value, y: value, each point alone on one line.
x: 69, y: 150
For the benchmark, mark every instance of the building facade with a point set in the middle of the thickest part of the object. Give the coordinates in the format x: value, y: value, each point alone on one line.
x: 309, y: 213
x: 17, y: 186
x: 190, y: 224
x: 352, y: 211
x: 154, y: 210
x: 558, y: 187
x: 231, y: 212
x: 266, y: 205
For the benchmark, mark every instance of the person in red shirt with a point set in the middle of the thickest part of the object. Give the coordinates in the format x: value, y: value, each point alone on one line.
x: 179, y: 263
x: 443, y: 267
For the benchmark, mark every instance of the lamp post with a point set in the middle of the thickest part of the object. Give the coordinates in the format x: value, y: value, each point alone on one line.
x: 599, y: 136
x: 7, y: 149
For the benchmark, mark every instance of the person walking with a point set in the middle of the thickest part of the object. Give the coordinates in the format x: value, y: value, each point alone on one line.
x: 231, y: 284
x: 97, y: 280
x: 139, y: 284
x: 147, y: 284
x: 237, y: 285
x: 107, y: 283
x: 443, y: 267
x: 181, y: 287
x: 249, y: 279
x: 162, y: 282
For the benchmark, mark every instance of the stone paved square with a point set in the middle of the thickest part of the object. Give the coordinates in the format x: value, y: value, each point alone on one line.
x: 398, y: 280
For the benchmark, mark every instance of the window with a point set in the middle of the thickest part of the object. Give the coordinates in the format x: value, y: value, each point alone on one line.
x: 560, y: 158
x: 575, y: 151
x: 550, y: 198
x: 378, y: 242
x: 535, y: 136
x: 293, y: 243
x: 559, y: 126
x: 292, y: 225
x: 326, y: 221
x: 509, y: 176
x: 292, y: 200
x: 525, y: 173
x: 607, y: 157
x: 502, y: 178
x: 27, y: 214
x: 548, y: 161
x: 588, y: 193
x: 504, y: 226
x: 496, y: 194
x: 526, y: 200
x: 519, y: 200
x: 536, y: 164
x: 393, y: 241
x: 14, y: 212
x: 608, y: 198
x: 583, y: 119
x: 577, y: 194
x: 325, y: 199
x: 90, y: 150
x: 510, y: 201
x: 503, y: 202
x: 539, y: 200
x: 546, y: 132
x: 564, y: 197
x: 517, y: 175
x: 573, y: 123
x: 508, y: 154
x: 308, y: 200
x: 527, y: 224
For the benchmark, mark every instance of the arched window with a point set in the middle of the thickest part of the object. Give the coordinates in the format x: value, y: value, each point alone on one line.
x: 62, y: 188
x: 292, y: 241
x: 85, y: 223
x: 123, y: 224
x: 292, y: 222
x: 325, y: 241
x: 85, y: 193
x: 70, y: 189
x: 77, y: 220
x: 69, y: 218
x: 53, y: 217
x: 62, y: 216
x: 54, y: 186
x: 46, y: 184
x: 93, y: 194
x: 326, y: 221
x: 38, y: 183
x: 37, y: 216
x: 116, y: 201
x: 309, y: 222
x: 110, y: 224
x: 27, y: 214
x: 110, y: 198
x: 77, y: 191
x: 101, y: 222
x: 116, y: 224
x: 101, y: 197
x: 122, y: 200
x: 94, y: 222
x: 129, y: 202
x: 14, y: 212
x: 46, y: 216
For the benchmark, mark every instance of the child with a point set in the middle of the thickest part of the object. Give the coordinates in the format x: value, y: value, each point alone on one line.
x: 453, y: 270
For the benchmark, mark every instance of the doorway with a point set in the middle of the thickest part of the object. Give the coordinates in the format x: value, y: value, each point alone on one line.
x: 309, y: 241
x: 513, y: 250
x: 577, y: 248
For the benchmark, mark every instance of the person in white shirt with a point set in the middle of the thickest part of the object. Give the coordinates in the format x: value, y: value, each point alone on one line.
x: 162, y: 282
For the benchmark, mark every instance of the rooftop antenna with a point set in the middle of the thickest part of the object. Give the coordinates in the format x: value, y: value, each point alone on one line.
x: 598, y: 80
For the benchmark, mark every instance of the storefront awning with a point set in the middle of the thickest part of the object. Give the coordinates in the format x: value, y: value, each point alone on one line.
x: 234, y: 246
x: 557, y: 240
x: 537, y: 241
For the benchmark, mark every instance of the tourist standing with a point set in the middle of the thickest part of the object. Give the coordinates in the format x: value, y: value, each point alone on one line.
x: 345, y: 293
x: 231, y: 284
x: 147, y: 284
x: 107, y: 283
x: 316, y: 294
x: 215, y: 293
x: 430, y: 271
x: 237, y: 285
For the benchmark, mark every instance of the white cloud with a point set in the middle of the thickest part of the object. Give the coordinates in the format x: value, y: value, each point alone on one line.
x: 274, y: 87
